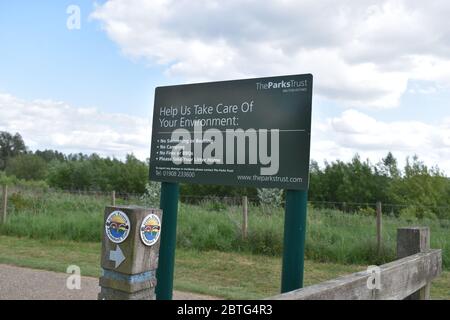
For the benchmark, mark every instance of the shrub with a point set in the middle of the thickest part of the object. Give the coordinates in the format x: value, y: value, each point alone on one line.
x: 27, y: 167
x: 213, y: 205
x: 19, y: 202
x: 270, y: 197
x: 413, y: 213
x: 367, y: 211
x: 152, y: 194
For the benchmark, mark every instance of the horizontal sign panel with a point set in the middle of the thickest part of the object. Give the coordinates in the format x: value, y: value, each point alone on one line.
x: 253, y: 132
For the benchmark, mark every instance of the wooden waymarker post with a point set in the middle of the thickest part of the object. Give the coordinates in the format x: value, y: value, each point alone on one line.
x: 4, y: 203
x: 130, y: 249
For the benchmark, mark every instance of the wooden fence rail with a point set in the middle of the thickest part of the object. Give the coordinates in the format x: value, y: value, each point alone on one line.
x: 406, y: 278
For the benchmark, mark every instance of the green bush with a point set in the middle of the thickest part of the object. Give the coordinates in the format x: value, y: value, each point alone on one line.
x: 213, y: 205
x: 367, y: 211
x: 19, y: 202
x: 414, y: 213
x: 27, y: 167
x: 270, y: 197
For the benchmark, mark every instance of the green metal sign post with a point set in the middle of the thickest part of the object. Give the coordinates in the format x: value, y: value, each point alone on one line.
x: 294, y: 240
x: 164, y: 275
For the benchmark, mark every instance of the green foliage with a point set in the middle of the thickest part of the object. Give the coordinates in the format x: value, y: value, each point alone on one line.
x: 414, y: 213
x: 51, y: 155
x: 355, y: 181
x: 27, y: 167
x: 152, y: 194
x: 95, y: 173
x: 71, y: 172
x: 19, y: 202
x: 270, y: 197
x: 422, y: 187
x: 10, y: 146
x: 55, y: 216
x: 4, y: 179
x: 361, y: 182
x: 358, y: 181
x: 193, y: 193
x: 367, y: 211
x: 36, y: 186
x: 332, y: 236
x: 213, y: 205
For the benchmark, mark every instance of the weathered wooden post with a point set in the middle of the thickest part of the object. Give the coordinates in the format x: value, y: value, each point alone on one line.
x: 244, y: 217
x: 113, y: 198
x: 130, y: 251
x: 379, y: 227
x: 4, y: 203
x: 411, y: 241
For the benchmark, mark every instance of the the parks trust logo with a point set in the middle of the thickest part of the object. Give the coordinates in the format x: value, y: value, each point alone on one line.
x: 117, y: 226
x: 288, y: 84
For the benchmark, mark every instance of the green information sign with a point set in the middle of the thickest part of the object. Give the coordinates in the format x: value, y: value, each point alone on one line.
x: 252, y: 132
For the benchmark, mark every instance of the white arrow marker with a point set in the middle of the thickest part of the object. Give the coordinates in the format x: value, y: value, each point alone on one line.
x: 117, y: 256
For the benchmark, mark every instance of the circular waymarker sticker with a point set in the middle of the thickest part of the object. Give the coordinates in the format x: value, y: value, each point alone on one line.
x: 117, y: 226
x: 150, y: 229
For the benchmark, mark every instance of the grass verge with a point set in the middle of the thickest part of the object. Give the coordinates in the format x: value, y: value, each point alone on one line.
x: 332, y: 236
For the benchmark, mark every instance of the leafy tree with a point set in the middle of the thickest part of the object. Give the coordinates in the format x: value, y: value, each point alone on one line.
x: 27, y: 167
x: 423, y: 189
x: 10, y: 146
x: 51, y: 155
x: 96, y: 173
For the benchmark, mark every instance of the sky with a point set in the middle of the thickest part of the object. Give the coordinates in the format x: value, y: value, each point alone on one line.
x: 381, y: 69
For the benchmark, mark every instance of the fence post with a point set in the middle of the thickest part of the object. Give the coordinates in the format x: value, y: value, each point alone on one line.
x: 379, y: 226
x: 4, y: 203
x: 113, y: 198
x: 245, y: 217
x: 411, y: 241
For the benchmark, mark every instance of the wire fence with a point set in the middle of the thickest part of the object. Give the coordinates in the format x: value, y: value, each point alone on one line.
x: 110, y: 197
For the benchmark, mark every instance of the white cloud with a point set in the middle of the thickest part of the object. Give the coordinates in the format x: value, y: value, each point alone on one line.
x: 362, y: 53
x: 355, y: 132
x: 47, y: 124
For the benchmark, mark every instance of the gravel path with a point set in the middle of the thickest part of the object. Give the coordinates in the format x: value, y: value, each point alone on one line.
x: 17, y: 283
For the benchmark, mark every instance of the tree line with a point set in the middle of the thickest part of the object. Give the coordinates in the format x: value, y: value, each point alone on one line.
x: 420, y: 188
x: 73, y: 171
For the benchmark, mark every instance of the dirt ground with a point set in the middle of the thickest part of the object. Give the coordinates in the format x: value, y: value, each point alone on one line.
x: 17, y: 283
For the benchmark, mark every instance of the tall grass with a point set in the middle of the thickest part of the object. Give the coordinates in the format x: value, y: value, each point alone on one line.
x: 332, y: 236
